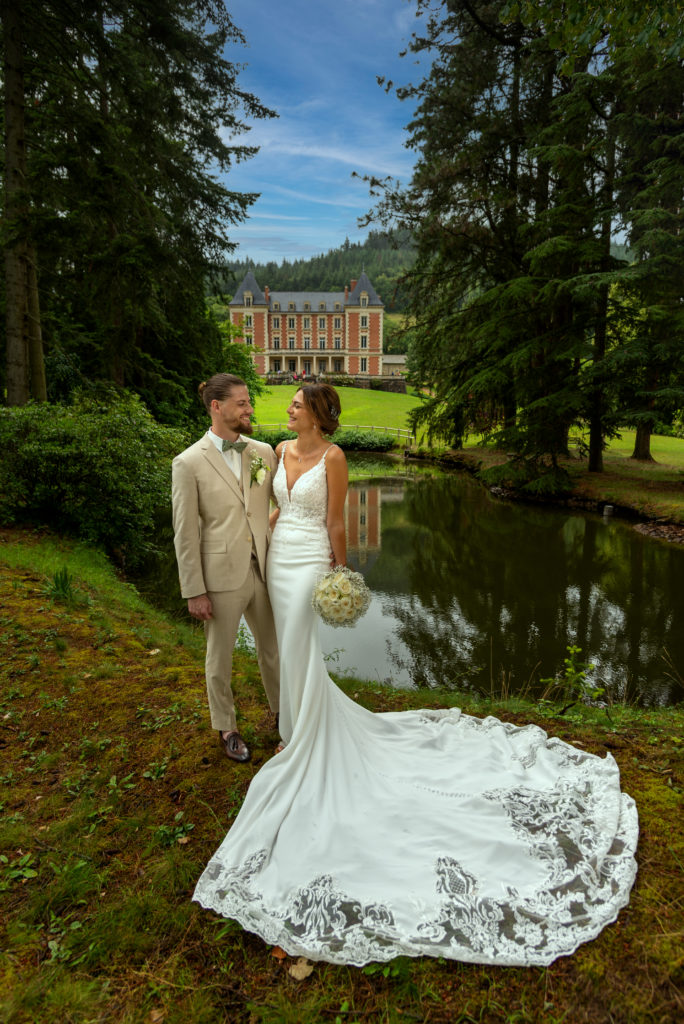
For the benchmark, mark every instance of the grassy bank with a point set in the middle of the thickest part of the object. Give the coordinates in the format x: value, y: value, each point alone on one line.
x: 115, y: 794
x: 651, y: 490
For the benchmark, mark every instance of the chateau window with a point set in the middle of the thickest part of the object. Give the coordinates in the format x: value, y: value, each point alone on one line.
x: 276, y: 305
x: 337, y: 365
x: 362, y: 497
x: 364, y: 299
x: 364, y: 321
x: 276, y: 342
x: 276, y: 322
x: 337, y: 305
x: 291, y: 305
x: 248, y: 339
x: 364, y: 366
x: 290, y: 323
x: 248, y: 320
x: 307, y: 305
x: 338, y: 323
x: 364, y: 341
x: 248, y: 299
x: 338, y: 343
x: 307, y: 343
x: 292, y: 365
x: 307, y: 366
x: 362, y: 519
x: 321, y: 341
x: 290, y: 342
x: 307, y: 321
x: 321, y: 305
x: 276, y: 366
x: 321, y: 365
x: 321, y: 323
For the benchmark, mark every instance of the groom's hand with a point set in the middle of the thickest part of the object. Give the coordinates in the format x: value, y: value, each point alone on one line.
x: 200, y: 607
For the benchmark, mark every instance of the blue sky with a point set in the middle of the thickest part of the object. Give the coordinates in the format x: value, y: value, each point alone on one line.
x: 315, y: 62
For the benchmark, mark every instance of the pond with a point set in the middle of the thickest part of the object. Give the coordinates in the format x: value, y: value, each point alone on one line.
x: 477, y: 593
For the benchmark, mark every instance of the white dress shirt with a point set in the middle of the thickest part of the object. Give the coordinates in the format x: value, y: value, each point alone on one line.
x: 231, y: 458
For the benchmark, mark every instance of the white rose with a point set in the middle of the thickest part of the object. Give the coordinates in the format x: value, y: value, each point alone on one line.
x: 260, y: 476
x: 345, y: 586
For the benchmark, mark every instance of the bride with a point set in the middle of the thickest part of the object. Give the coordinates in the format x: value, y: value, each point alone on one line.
x: 406, y: 833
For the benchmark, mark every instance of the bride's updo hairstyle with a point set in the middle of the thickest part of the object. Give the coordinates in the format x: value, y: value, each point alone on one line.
x: 323, y: 403
x: 219, y: 387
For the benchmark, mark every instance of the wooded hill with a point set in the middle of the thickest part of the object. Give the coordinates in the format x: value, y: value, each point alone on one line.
x: 384, y: 256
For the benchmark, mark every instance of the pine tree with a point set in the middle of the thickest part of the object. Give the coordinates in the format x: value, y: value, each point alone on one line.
x: 125, y: 112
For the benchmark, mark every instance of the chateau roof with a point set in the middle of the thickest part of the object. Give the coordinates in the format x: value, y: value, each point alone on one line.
x: 314, y: 299
x: 363, y: 285
x: 249, y: 284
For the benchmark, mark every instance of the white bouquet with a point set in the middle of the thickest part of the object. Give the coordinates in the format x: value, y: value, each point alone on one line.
x: 340, y: 596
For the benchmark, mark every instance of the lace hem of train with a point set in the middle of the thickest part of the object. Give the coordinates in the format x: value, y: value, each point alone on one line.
x: 322, y: 922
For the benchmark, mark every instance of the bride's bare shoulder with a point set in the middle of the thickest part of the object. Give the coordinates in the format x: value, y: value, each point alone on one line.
x: 280, y: 448
x: 336, y: 455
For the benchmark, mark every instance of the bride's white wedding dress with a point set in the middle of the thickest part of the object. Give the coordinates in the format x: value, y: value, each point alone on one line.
x: 418, y: 832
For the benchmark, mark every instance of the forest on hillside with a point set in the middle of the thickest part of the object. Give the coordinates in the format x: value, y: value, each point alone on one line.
x: 385, y: 256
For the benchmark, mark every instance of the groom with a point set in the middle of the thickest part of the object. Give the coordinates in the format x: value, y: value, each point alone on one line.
x: 221, y: 491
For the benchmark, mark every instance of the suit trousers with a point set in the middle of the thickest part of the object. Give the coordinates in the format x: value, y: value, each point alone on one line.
x: 250, y: 600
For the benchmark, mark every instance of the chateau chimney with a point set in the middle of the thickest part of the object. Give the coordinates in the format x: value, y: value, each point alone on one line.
x: 353, y: 284
x: 346, y: 293
x: 266, y: 294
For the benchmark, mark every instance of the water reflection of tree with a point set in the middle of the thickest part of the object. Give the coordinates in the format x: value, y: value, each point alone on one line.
x: 497, y: 587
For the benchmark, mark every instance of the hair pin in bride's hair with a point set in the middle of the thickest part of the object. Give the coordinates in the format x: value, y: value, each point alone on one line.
x: 334, y: 414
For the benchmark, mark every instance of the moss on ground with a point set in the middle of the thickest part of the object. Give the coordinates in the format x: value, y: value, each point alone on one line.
x: 115, y: 794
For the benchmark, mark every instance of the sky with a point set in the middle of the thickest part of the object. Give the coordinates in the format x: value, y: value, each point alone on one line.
x: 315, y: 62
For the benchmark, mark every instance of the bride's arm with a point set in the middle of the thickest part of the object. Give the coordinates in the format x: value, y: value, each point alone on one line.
x: 275, y: 511
x: 338, y: 478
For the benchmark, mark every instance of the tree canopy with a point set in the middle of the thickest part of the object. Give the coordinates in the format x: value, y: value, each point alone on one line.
x: 119, y: 120
x: 534, y: 145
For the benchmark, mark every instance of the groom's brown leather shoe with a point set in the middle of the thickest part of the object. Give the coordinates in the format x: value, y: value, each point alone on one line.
x: 234, y: 747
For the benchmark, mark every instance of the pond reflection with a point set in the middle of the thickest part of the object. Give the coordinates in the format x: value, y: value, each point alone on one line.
x: 479, y: 593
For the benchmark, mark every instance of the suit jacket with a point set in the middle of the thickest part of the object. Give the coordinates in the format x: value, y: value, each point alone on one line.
x: 215, y: 524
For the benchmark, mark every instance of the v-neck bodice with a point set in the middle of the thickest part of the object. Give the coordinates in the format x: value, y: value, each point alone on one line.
x: 307, y: 499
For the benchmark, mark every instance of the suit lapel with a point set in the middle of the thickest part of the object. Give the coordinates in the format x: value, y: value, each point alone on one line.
x: 216, y: 460
x: 246, y: 467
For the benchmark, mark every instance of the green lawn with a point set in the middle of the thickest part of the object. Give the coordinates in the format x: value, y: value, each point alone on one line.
x: 359, y: 407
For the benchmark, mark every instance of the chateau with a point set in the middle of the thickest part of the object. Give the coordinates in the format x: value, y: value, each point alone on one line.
x: 311, y: 332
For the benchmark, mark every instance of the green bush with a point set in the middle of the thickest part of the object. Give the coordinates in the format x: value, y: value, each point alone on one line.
x: 99, y: 469
x: 529, y: 477
x: 348, y: 440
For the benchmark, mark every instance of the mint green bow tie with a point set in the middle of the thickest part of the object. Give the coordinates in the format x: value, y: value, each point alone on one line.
x: 239, y: 446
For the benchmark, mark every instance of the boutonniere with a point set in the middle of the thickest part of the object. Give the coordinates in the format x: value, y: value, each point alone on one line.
x: 257, y: 469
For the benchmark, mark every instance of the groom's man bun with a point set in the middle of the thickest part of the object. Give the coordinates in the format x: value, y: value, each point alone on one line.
x: 323, y: 403
x: 219, y: 387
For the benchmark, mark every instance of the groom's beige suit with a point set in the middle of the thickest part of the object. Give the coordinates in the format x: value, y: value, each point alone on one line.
x: 221, y: 536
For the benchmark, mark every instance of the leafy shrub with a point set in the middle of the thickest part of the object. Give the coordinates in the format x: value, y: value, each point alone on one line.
x: 99, y: 469
x: 530, y: 477
x: 349, y: 440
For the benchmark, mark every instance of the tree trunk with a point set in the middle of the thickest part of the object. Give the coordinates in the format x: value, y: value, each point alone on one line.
x: 15, y: 182
x: 35, y: 333
x: 596, y: 402
x: 642, y: 443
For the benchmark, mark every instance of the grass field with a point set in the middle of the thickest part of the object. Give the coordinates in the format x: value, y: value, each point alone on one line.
x: 359, y: 407
x: 114, y: 795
